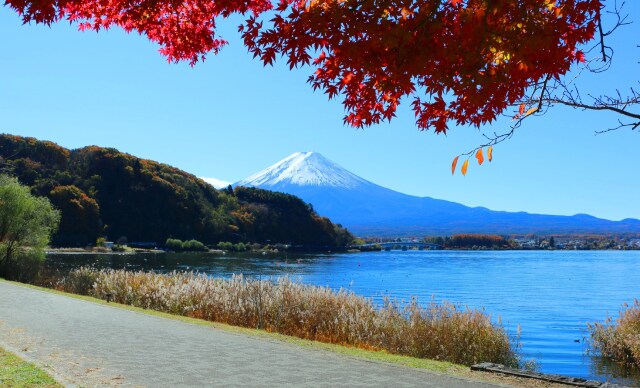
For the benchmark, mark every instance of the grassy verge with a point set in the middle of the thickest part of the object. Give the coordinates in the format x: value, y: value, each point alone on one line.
x: 15, y: 372
x: 443, y: 332
x: 619, y: 340
x: 419, y: 363
x: 380, y: 356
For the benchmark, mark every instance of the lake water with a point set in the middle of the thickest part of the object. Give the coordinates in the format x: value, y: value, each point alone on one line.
x: 550, y: 294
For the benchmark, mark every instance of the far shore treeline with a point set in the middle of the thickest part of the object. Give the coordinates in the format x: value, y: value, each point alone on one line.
x: 102, y: 192
x: 514, y: 242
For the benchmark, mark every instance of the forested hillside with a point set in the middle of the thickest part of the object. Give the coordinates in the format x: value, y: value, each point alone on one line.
x: 104, y: 192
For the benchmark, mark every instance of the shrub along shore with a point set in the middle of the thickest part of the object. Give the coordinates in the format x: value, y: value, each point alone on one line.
x: 443, y: 332
x: 619, y: 340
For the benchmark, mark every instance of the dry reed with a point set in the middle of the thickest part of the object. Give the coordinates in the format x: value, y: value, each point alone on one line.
x: 619, y: 340
x: 437, y: 331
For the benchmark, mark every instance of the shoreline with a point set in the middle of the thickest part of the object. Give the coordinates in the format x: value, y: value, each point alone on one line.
x: 135, y: 251
x: 103, y: 251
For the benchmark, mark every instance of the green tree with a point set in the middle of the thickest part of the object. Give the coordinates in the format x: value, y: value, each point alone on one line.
x: 225, y: 245
x: 26, y: 225
x: 174, y: 244
x: 101, y: 242
x: 193, y: 245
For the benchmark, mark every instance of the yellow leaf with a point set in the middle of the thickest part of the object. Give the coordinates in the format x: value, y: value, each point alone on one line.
x: 550, y: 4
x: 490, y: 153
x: 464, y: 167
x: 531, y: 111
x: 453, y: 165
x: 479, y: 156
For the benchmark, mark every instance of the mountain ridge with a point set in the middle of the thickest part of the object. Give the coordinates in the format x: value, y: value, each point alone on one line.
x: 367, y: 208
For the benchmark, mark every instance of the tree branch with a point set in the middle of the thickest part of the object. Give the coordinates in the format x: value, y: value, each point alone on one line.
x: 611, y: 108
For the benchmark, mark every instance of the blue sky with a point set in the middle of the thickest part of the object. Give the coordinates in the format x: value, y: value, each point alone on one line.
x: 230, y: 117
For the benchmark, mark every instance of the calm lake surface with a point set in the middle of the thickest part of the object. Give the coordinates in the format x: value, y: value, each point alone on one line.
x: 550, y: 294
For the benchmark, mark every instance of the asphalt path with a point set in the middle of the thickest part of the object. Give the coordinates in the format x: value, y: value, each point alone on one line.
x: 89, y: 344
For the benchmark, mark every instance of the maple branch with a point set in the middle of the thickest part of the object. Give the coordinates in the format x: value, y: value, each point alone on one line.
x: 607, y: 51
x: 610, y: 107
x: 620, y: 20
x: 633, y: 126
x: 566, y: 92
x: 570, y: 96
x: 602, y: 46
x: 544, y: 89
x: 493, y: 140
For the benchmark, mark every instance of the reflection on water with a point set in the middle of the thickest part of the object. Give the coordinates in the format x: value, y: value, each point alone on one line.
x: 604, y: 367
x: 251, y: 265
x: 551, y: 294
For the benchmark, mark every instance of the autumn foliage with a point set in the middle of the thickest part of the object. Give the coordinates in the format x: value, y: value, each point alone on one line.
x: 477, y: 240
x: 185, y: 29
x: 101, y: 191
x: 460, y: 61
x: 455, y: 61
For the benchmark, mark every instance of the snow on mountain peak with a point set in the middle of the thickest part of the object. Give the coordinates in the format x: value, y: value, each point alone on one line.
x: 217, y: 183
x: 304, y: 169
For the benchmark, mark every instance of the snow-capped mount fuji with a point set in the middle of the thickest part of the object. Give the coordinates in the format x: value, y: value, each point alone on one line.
x: 332, y: 190
x: 304, y: 169
x: 369, y: 209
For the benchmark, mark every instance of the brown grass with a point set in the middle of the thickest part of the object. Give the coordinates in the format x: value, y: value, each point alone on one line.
x: 437, y: 331
x: 619, y: 340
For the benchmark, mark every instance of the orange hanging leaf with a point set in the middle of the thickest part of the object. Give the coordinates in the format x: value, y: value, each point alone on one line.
x: 490, y: 153
x: 454, y: 164
x: 464, y: 167
x: 521, y: 110
x: 531, y: 111
x: 479, y: 156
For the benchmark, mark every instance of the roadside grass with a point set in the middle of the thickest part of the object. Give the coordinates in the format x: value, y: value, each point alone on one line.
x: 15, y: 372
x: 618, y: 340
x: 443, y: 332
x: 433, y: 366
x: 382, y: 356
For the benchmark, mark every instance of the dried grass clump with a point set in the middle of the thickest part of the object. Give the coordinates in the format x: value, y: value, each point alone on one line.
x: 437, y: 331
x: 81, y: 281
x: 619, y: 340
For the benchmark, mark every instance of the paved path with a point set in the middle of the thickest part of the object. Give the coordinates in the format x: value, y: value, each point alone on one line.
x: 90, y: 344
